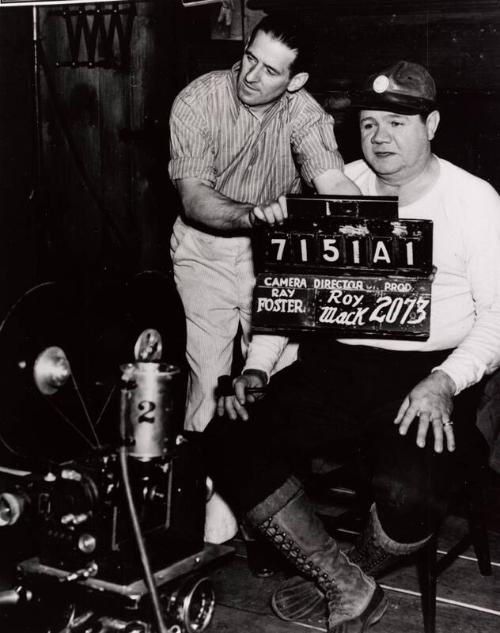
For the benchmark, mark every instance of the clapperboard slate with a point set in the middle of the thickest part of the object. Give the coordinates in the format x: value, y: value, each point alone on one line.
x: 348, y: 266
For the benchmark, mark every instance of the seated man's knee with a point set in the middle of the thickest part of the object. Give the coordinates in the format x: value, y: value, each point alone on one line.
x: 409, y: 510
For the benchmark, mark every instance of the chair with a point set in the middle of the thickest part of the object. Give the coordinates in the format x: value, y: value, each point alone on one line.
x: 430, y: 566
x: 341, y: 485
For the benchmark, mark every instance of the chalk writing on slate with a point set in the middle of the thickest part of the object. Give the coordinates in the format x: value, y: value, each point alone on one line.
x: 350, y: 266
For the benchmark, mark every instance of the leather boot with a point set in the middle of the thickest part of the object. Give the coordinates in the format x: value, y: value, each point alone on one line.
x: 298, y: 599
x: 354, y: 601
x: 375, y: 552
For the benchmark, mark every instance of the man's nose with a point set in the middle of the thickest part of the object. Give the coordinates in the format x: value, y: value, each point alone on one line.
x: 381, y: 135
x: 253, y: 74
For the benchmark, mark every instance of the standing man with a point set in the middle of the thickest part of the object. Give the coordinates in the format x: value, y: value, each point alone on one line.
x: 240, y: 139
x: 412, y: 404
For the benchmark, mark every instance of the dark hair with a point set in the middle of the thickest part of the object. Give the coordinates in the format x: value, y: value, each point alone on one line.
x: 293, y: 34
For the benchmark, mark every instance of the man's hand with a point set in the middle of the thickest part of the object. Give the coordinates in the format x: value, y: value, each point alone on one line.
x: 234, y: 405
x: 431, y: 401
x: 271, y: 213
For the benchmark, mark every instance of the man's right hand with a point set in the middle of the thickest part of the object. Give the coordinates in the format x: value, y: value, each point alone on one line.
x: 271, y: 213
x: 234, y: 405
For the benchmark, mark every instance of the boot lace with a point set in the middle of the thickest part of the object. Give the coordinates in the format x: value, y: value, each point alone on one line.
x: 290, y: 550
x: 368, y: 555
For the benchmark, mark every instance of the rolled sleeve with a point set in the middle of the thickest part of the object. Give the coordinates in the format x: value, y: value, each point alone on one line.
x: 191, y: 147
x: 314, y: 142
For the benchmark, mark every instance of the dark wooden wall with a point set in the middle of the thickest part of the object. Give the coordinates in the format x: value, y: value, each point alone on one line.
x: 83, y: 186
x: 105, y: 139
x: 18, y: 218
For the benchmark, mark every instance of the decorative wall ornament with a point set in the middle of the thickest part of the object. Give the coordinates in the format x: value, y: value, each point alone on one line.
x: 98, y: 37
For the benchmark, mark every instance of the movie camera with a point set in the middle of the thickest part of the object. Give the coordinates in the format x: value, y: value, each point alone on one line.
x: 116, y: 533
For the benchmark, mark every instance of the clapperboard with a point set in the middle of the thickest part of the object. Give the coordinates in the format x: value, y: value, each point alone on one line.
x: 348, y: 266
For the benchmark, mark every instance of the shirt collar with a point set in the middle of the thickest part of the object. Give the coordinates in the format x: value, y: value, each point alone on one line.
x: 235, y: 103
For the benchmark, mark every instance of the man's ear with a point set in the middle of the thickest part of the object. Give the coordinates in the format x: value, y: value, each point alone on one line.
x: 432, y: 123
x: 297, y: 82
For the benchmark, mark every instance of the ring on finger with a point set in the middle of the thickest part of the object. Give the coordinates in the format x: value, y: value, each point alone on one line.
x: 447, y: 425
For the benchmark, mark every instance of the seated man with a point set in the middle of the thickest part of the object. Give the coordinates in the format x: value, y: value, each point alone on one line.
x: 411, y: 403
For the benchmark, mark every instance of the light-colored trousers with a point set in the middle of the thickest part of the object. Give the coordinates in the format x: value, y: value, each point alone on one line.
x: 215, y: 279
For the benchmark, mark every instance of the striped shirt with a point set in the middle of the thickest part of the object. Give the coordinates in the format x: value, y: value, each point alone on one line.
x: 216, y: 138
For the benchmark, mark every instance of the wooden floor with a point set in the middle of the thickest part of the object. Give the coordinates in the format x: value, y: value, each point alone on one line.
x: 467, y: 601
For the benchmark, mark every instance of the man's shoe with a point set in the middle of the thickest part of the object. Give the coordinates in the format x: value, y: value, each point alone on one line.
x: 286, y: 518
x: 376, y: 553
x: 299, y: 599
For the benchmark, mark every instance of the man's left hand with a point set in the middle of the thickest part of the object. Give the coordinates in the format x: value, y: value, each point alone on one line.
x: 235, y: 405
x: 271, y: 213
x: 431, y: 401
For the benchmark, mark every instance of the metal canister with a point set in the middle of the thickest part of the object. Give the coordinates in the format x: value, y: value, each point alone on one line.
x: 147, y: 408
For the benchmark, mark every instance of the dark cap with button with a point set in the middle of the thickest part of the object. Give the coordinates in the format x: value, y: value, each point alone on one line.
x: 405, y: 88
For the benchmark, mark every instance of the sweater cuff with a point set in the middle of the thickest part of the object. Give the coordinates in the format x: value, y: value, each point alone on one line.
x: 257, y: 372
x: 448, y: 368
